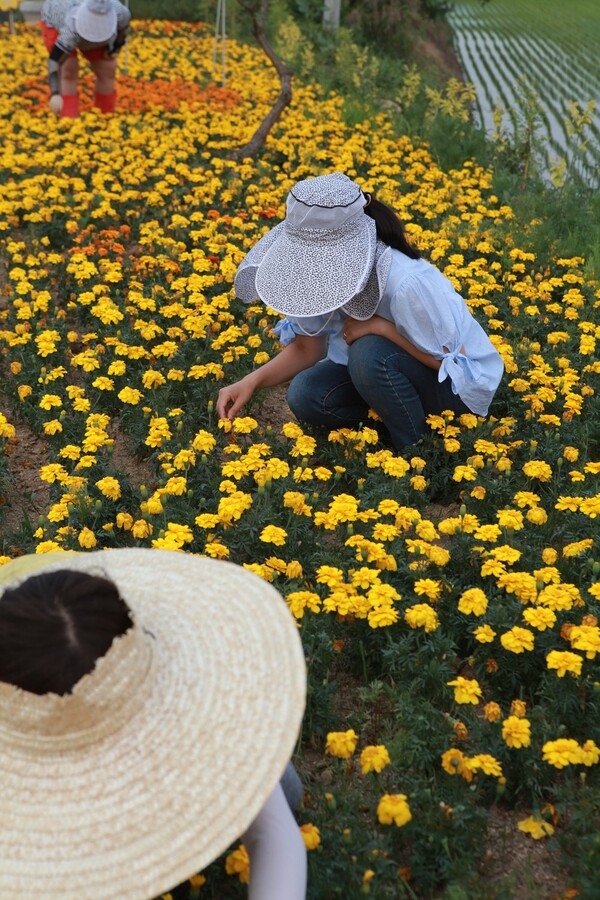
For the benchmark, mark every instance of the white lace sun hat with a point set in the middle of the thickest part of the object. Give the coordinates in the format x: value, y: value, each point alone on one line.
x: 96, y: 21
x: 162, y: 756
x: 323, y: 256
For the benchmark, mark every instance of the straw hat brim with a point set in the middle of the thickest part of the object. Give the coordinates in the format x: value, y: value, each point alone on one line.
x: 202, y: 742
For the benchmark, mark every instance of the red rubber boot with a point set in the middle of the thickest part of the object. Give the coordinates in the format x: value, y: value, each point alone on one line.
x: 106, y: 103
x: 70, y: 106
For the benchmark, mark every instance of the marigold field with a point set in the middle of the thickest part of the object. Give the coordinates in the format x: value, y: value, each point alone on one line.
x: 448, y: 600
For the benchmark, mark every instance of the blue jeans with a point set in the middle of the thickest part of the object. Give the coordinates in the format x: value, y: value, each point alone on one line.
x: 379, y: 376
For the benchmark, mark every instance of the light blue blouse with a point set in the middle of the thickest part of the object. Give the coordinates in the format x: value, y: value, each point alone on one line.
x: 427, y: 310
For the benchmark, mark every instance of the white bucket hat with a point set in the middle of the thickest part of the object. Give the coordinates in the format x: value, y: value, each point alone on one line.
x: 96, y: 21
x: 323, y: 256
x: 162, y: 756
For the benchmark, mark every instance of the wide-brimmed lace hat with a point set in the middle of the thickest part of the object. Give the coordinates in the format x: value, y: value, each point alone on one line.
x: 96, y: 21
x: 323, y: 256
x: 162, y: 756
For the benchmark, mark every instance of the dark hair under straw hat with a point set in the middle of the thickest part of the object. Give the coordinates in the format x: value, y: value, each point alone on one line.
x: 164, y: 754
x: 323, y: 256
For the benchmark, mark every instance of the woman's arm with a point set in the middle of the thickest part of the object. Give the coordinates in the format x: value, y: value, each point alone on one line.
x: 277, y: 853
x: 353, y: 329
x: 301, y: 353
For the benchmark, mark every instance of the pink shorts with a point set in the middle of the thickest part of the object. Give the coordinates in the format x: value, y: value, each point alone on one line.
x: 50, y: 36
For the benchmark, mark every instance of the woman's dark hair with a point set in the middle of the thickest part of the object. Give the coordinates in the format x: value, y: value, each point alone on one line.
x: 390, y: 229
x: 54, y: 626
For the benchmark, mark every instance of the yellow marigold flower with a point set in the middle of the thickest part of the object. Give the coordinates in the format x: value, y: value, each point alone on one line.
x: 329, y: 575
x: 395, y: 466
x: 24, y: 391
x: 175, y: 486
x: 244, y: 424
x: 102, y: 383
x: 561, y: 752
x: 374, y: 758
x: 87, y: 539
x: 454, y: 762
x: 586, y: 637
x: 510, y: 518
x: 590, y: 506
x: 52, y: 427
x: 570, y: 504
x: 564, y: 661
x: 526, y: 498
x: 466, y: 690
x: 232, y: 507
x: 518, y: 708
x: 382, y: 617
x: 203, y: 442
x: 296, y: 501
x: 516, y: 732
x: 485, y: 634
x: 492, y: 711
x: 473, y: 601
x: 539, y: 618
x: 50, y: 400
x: 537, y: 516
x: 299, y: 601
x: 577, y: 548
x: 590, y: 753
x: 559, y: 597
x: 130, y: 395
x: 341, y: 744
x: 429, y: 588
x: 48, y: 547
x: 219, y: 551
x: 517, y: 640
x: 124, y: 521
x: 538, y: 469
x: 238, y: 863
x: 310, y: 835
x: 536, y: 827
x: 53, y: 472
x: 394, y: 808
x: 421, y: 615
x: 464, y: 473
x: 291, y: 430
x: 487, y: 764
x: 141, y: 529
x: 272, y: 534
x: 549, y: 556
x: 110, y: 487
x: 489, y: 533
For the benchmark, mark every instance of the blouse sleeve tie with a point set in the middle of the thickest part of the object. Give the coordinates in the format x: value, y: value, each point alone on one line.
x: 284, y: 332
x: 460, y: 370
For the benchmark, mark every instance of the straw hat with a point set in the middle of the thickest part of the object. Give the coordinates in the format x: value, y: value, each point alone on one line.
x: 323, y: 256
x: 162, y: 756
x: 96, y: 21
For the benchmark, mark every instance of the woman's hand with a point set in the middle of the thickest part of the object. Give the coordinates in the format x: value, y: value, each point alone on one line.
x: 232, y: 397
x: 355, y: 329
